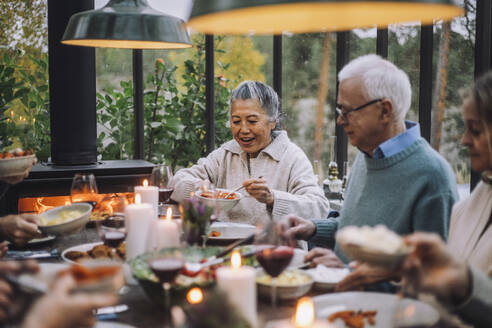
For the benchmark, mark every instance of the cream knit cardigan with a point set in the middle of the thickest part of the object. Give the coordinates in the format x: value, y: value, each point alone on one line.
x: 468, y: 220
x: 284, y: 165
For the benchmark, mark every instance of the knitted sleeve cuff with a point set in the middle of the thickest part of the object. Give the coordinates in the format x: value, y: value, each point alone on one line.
x: 183, y: 191
x: 281, y: 206
x: 325, y: 233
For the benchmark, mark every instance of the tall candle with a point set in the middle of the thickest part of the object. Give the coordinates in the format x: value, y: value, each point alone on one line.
x: 149, y: 195
x: 239, y: 283
x: 138, y: 221
x: 166, y: 232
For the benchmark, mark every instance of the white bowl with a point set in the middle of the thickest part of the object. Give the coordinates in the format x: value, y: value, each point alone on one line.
x: 223, y: 204
x: 69, y: 227
x: 10, y: 167
x: 285, y: 292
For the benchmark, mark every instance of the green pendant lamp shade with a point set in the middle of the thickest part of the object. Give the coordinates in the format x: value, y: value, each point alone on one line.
x: 297, y: 16
x: 130, y: 24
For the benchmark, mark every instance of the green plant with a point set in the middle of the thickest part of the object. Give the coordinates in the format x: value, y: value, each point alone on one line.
x: 174, y: 114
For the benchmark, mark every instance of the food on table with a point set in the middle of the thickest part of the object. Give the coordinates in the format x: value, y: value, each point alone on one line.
x: 16, y: 153
x: 214, y: 233
x: 62, y: 217
x: 99, y: 215
x: 354, y: 319
x: 98, y: 252
x: 219, y: 195
x: 83, y: 274
x: 286, y: 278
x: 378, y: 238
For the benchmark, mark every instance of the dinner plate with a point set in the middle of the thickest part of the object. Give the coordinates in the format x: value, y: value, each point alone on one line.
x: 413, y: 312
x: 326, y: 278
x: 78, y: 248
x: 230, y: 231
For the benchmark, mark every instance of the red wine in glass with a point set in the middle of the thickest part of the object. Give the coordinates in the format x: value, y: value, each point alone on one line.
x: 166, y: 269
x: 165, y: 194
x: 274, y: 260
x: 113, y: 238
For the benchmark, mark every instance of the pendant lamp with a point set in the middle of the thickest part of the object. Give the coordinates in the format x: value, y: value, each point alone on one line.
x: 130, y: 24
x: 298, y: 16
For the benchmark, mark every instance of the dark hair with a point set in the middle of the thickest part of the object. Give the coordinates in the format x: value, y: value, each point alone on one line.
x: 481, y: 95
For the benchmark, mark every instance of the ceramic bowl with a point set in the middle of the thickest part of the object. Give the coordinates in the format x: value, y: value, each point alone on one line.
x: 223, y: 204
x: 284, y: 291
x: 70, y: 226
x: 10, y: 167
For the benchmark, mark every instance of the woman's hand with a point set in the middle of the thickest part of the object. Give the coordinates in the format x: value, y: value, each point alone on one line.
x: 62, y: 309
x: 258, y: 189
x: 364, y: 274
x: 323, y: 256
x: 19, y: 229
x: 431, y: 268
x: 6, y: 291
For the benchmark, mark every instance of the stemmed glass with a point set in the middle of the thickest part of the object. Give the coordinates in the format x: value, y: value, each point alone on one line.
x: 112, y: 231
x: 166, y: 267
x: 84, y: 189
x: 162, y: 177
x: 274, y: 253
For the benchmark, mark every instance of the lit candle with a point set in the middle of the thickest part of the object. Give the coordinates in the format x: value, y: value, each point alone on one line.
x: 239, y: 283
x: 303, y: 318
x: 166, y: 232
x: 138, y: 221
x: 194, y: 296
x: 149, y: 194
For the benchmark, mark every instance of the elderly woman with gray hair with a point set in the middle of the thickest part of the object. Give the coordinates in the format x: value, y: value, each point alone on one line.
x: 276, y: 174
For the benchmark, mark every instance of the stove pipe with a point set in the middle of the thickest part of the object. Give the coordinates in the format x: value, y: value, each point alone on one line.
x: 72, y: 80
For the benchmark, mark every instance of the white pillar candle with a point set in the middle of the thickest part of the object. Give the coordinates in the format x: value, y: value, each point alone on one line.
x: 239, y: 283
x: 166, y: 232
x: 138, y: 221
x: 149, y: 195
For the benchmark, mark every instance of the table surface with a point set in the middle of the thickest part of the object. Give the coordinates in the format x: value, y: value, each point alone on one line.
x: 142, y: 312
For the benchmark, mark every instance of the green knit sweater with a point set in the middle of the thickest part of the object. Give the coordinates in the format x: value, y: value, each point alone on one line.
x: 413, y: 190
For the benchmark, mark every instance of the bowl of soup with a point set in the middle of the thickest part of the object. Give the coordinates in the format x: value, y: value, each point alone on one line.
x: 64, y: 220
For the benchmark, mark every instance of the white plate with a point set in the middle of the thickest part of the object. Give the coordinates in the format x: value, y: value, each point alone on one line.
x: 326, y: 278
x: 231, y: 230
x: 112, y: 324
x: 78, y: 248
x: 418, y: 313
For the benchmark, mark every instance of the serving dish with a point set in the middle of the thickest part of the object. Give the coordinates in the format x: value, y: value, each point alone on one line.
x: 70, y: 225
x: 326, y: 278
x: 229, y: 231
x: 300, y: 283
x: 221, y: 204
x: 15, y: 166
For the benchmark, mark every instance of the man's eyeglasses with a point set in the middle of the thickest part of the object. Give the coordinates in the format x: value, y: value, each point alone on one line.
x: 348, y: 111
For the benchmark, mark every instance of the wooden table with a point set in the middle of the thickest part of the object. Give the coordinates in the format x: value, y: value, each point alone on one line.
x: 142, y: 312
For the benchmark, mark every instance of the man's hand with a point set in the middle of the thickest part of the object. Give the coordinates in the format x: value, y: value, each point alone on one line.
x: 363, y: 275
x: 295, y: 227
x: 62, y: 309
x: 6, y: 291
x: 258, y: 189
x: 323, y: 256
x: 19, y: 229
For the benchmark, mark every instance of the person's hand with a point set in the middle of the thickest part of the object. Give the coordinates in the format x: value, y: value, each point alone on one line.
x: 258, y: 189
x: 60, y: 308
x: 19, y: 229
x: 295, y: 227
x: 18, y: 178
x: 3, y: 248
x: 6, y: 291
x: 431, y: 268
x: 323, y: 256
x: 364, y: 274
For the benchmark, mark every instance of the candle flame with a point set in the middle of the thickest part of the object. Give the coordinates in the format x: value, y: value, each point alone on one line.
x: 169, y: 213
x: 68, y: 203
x: 235, y: 259
x: 304, y: 316
x: 138, y: 199
x: 145, y: 183
x: 194, y: 296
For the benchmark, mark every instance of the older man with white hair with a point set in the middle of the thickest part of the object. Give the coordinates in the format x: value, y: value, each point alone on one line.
x: 397, y: 179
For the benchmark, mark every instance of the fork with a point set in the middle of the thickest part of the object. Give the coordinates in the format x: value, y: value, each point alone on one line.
x: 238, y: 188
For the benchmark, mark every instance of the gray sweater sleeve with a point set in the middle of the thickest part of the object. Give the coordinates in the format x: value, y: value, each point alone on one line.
x: 477, y: 309
x: 325, y: 233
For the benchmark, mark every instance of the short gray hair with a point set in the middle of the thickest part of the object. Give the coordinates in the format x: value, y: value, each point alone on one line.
x: 381, y: 79
x: 265, y: 94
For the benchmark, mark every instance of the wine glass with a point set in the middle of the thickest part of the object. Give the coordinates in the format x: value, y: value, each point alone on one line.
x: 166, y: 267
x: 274, y: 253
x: 162, y: 177
x: 84, y: 189
x: 112, y: 231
